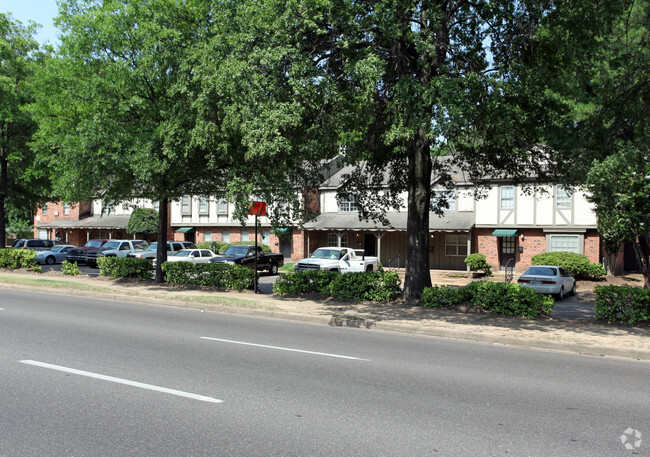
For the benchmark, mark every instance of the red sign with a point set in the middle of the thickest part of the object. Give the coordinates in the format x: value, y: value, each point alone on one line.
x: 257, y: 209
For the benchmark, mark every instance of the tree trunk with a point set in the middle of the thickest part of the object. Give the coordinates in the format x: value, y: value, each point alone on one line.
x: 4, y: 185
x: 161, y: 253
x: 418, y: 275
x: 642, y: 251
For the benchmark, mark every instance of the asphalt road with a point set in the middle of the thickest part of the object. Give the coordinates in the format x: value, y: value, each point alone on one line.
x: 89, y: 377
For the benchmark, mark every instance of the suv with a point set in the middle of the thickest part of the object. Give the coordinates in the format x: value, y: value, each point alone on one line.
x: 152, y: 249
x: 36, y: 245
x: 115, y: 248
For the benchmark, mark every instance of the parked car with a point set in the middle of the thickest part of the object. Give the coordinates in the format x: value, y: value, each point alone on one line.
x: 243, y: 254
x: 548, y: 279
x: 191, y: 255
x: 115, y: 248
x: 80, y: 255
x: 151, y: 251
x: 35, y: 244
x: 343, y: 260
x: 55, y: 254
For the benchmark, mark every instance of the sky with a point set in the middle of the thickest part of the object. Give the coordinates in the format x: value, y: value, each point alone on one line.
x: 40, y: 11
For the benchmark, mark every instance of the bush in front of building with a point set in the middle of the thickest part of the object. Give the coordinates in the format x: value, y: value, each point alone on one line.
x: 125, y: 267
x: 17, y: 258
x: 629, y: 305
x: 478, y: 262
x: 70, y: 268
x: 496, y: 297
x: 363, y: 286
x: 576, y: 264
x: 235, y: 277
x: 222, y: 246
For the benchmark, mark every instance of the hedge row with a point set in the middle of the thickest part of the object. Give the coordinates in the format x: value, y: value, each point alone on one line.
x: 17, y: 258
x: 576, y: 264
x: 222, y: 246
x: 235, y: 277
x: 495, y: 297
x: 125, y: 267
x: 629, y: 305
x: 367, y: 286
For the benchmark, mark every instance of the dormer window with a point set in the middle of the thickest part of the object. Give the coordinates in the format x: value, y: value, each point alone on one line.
x: 348, y: 204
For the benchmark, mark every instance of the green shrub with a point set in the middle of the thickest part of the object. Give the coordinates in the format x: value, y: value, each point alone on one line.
x: 17, y: 258
x: 235, y: 277
x: 70, y: 269
x: 622, y: 304
x: 478, y: 262
x: 366, y: 286
x: 576, y: 264
x: 495, y: 297
x: 222, y: 246
x: 304, y: 282
x: 125, y: 267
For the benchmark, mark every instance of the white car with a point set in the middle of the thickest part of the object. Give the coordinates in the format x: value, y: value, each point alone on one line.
x: 192, y: 255
x: 548, y: 279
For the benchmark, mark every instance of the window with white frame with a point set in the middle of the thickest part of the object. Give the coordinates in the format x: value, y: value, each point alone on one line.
x: 203, y: 204
x: 348, y: 204
x: 186, y: 205
x: 225, y: 236
x: 562, y: 197
x: 245, y: 236
x: 564, y: 243
x: 456, y: 245
x: 156, y: 206
x: 265, y: 238
x: 222, y: 206
x: 344, y: 240
x: 66, y: 208
x: 448, y: 195
x: 44, y: 210
x: 332, y: 240
x: 507, y: 197
x: 207, y: 235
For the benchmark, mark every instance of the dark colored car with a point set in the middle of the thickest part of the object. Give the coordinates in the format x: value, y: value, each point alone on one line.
x: 35, y: 244
x: 245, y: 255
x: 80, y: 255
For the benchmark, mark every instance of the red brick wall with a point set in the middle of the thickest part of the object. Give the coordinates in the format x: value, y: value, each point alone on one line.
x: 592, y: 246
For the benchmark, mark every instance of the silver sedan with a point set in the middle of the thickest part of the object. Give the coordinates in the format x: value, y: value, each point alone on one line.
x: 548, y: 279
x: 55, y: 254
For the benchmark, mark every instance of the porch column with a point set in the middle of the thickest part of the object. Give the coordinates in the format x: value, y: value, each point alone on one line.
x: 469, y: 247
x: 379, y: 236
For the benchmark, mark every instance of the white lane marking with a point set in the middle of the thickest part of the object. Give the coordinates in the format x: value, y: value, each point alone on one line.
x: 285, y: 349
x: 122, y: 381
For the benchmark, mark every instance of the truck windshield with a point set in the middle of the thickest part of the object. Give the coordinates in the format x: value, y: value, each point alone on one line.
x: 326, y: 254
x: 237, y: 250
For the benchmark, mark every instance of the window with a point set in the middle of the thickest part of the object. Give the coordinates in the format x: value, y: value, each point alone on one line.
x: 66, y: 208
x: 245, y: 236
x: 456, y: 245
x: 222, y: 206
x: 265, y: 238
x: 156, y: 206
x: 44, y: 211
x: 562, y: 197
x: 186, y: 206
x: 448, y: 195
x: 207, y: 235
x: 507, y: 197
x: 203, y: 205
x: 344, y: 240
x: 332, y: 240
x: 225, y: 237
x: 564, y: 243
x: 348, y: 204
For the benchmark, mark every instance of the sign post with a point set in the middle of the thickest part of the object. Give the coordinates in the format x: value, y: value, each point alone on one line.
x: 256, y: 209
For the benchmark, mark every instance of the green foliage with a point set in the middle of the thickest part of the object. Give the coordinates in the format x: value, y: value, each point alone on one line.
x: 37, y: 269
x: 17, y: 258
x: 495, y: 297
x: 143, y: 220
x: 478, y: 262
x: 367, y: 286
x: 235, y: 277
x: 125, y: 267
x: 222, y: 246
x: 70, y: 268
x: 629, y: 305
x: 19, y: 228
x: 576, y: 264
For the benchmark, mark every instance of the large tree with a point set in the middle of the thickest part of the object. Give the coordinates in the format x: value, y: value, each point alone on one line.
x: 113, y: 107
x: 398, y: 86
x: 22, y: 181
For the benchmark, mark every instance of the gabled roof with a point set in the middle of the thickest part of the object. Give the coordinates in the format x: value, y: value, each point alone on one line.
x: 451, y: 222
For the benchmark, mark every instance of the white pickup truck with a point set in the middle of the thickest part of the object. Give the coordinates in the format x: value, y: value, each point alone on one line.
x: 343, y: 260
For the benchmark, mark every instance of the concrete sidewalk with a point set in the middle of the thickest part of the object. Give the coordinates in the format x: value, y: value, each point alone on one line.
x: 584, y: 337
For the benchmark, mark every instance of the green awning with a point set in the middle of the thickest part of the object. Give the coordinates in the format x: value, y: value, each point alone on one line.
x: 185, y: 230
x: 501, y: 232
